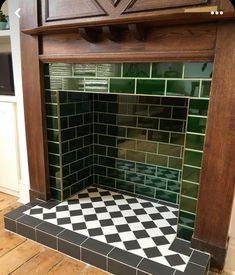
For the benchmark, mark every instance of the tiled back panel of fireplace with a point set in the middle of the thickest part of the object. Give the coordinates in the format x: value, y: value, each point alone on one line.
x: 105, y: 128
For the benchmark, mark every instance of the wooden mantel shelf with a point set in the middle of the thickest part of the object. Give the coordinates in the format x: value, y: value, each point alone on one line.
x: 152, y: 20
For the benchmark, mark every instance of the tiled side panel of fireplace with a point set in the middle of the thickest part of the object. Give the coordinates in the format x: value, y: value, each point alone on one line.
x: 120, y: 140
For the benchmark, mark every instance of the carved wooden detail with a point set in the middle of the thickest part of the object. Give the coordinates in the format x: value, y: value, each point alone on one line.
x: 90, y: 35
x: 137, y: 31
x: 112, y: 33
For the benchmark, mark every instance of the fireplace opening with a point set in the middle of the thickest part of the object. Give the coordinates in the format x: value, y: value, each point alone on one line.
x: 136, y: 128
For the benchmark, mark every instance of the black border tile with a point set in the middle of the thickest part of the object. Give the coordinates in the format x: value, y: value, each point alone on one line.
x: 10, y: 224
x: 93, y: 258
x: 34, y: 203
x: 155, y: 268
x: 69, y: 248
x: 72, y: 237
x: 50, y: 204
x: 118, y: 268
x: 192, y: 269
x: 29, y: 221
x: 46, y: 239
x: 17, y: 213
x: 97, y: 246
x: 200, y: 258
x: 49, y: 228
x: 181, y: 246
x: 26, y: 231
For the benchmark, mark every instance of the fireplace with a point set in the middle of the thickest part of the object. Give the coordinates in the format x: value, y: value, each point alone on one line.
x: 112, y: 82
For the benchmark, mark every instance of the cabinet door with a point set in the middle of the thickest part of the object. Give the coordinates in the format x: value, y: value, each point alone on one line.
x: 9, y: 166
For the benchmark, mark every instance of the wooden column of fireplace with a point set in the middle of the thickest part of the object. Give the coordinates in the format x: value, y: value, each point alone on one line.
x: 140, y: 31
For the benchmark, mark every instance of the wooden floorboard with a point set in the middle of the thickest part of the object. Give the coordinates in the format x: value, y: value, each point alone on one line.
x: 19, y: 256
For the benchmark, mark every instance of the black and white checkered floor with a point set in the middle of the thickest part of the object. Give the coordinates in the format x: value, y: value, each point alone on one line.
x: 141, y: 227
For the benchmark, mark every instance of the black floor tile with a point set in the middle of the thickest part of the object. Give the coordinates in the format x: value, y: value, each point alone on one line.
x: 10, y: 224
x: 69, y: 249
x: 174, y: 260
x: 118, y: 268
x: 199, y: 258
x: 168, y: 204
x: 49, y: 204
x: 181, y: 246
x: 124, y: 257
x: 155, y: 268
x: 192, y: 269
x: 34, y: 203
x: 97, y: 246
x: 29, y: 221
x: 17, y: 213
x: 72, y: 237
x: 93, y: 258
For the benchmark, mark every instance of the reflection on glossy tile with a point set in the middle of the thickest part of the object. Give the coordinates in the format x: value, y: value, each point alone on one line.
x: 154, y: 87
x: 188, y: 204
x: 183, y: 88
x: 60, y: 69
x: 191, y: 174
x: 109, y: 70
x: 189, y: 189
x: 157, y: 159
x: 136, y: 69
x: 96, y: 85
x: 195, y: 142
x: 167, y: 70
x: 122, y: 85
x: 198, y: 107
x: 169, y: 150
x: 198, y: 70
x: 76, y: 84
x: 205, y: 90
x: 196, y: 125
x: 84, y: 69
x: 156, y: 182
x: 193, y: 158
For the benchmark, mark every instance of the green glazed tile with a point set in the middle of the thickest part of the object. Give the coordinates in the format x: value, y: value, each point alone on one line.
x: 64, y: 147
x: 146, y: 169
x: 196, y: 125
x: 167, y: 70
x: 147, y: 146
x: 184, y: 233
x: 76, y: 143
x: 169, y: 150
x: 109, y: 70
x: 177, y: 138
x: 157, y: 159
x: 174, y: 101
x: 67, y: 134
x: 66, y: 193
x: 167, y: 173
x: 100, y: 150
x: 54, y: 159
x: 189, y: 189
x: 198, y: 70
x: 53, y: 147
x: 51, y: 110
x: 67, y: 109
x: 60, y: 69
x: 183, y: 88
x: 158, y: 136
x: 116, y: 131
x: 68, y: 181
x: 69, y: 157
x: 160, y: 111
x: 106, y: 181
x: 96, y: 85
x: 107, y: 161
x: 122, y: 85
x: 188, y: 204
x: 52, y: 123
x: 51, y: 97
x: 75, y: 84
x: 156, y: 182
x: 193, y: 158
x: 150, y: 87
x: 195, y: 142
x: 180, y: 113
x: 100, y: 170
x: 46, y: 69
x: 150, y: 123
x: 55, y: 171
x: 127, y: 186
x: 136, y: 69
x: 175, y: 163
x: 84, y: 70
x: 186, y: 219
x: 63, y: 96
x: 166, y: 196
x: 205, y: 90
x: 53, y: 135
x: 107, y: 118
x: 126, y: 165
x: 191, y: 174
x: 135, y: 156
x: 76, y: 166
x: 149, y: 100
x: 55, y: 183
x: 75, y: 188
x: 107, y: 140
x: 173, y: 186
x: 144, y: 190
x: 115, y: 173
x: 172, y: 125
x: 75, y: 120
x: 56, y: 194
x: 126, y: 144
x: 126, y: 120
x: 198, y: 107
x: 64, y: 123
x: 138, y: 109
x: 134, y: 177
x: 113, y: 152
x: 53, y: 83
x: 136, y: 133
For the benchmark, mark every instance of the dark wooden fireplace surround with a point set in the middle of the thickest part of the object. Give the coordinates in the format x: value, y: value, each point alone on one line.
x: 82, y: 31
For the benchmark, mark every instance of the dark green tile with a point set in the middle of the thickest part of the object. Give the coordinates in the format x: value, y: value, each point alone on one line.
x: 180, y: 113
x: 55, y: 171
x: 84, y: 130
x: 205, y: 90
x: 134, y: 177
x: 76, y: 166
x: 51, y: 97
x: 196, y: 125
x: 150, y: 123
x: 138, y: 109
x: 177, y: 138
x: 183, y: 88
x: 106, y: 181
x: 195, y: 142
x: 160, y: 111
x: 64, y: 147
x: 107, y: 140
x: 53, y: 147
x: 46, y: 69
x: 108, y: 97
x: 172, y: 125
x: 83, y: 107
x: 186, y: 219
x: 167, y: 173
x: 189, y: 189
x: 69, y: 157
x: 53, y: 135
x: 101, y: 106
x: 175, y: 163
x: 198, y: 70
x: 100, y: 150
x: 173, y: 186
x: 101, y: 129
x: 64, y: 123
x: 158, y: 136
x: 63, y: 97
x: 157, y: 159
x: 188, y: 204
x: 136, y: 133
x: 56, y: 183
x: 107, y: 118
x: 167, y: 70
x: 75, y: 120
x: 126, y: 165
x: 198, y: 107
x: 116, y: 131
x: 115, y: 173
x: 193, y: 158
x: 67, y: 109
x: 150, y: 87
x: 126, y: 120
x: 166, y: 196
x: 74, y: 84
x: 52, y: 123
x: 54, y: 159
x: 135, y: 156
x: 69, y: 180
x: 60, y: 69
x: 191, y: 174
x: 68, y: 134
x: 144, y: 190
x: 169, y: 150
x: 174, y: 101
x: 51, y: 110
x: 122, y: 85
x: 56, y: 194
x: 75, y: 188
x: 113, y: 152
x: 107, y: 161
x: 66, y: 193
x: 149, y: 100
x: 100, y: 170
x: 109, y: 70
x: 184, y: 233
x: 98, y: 85
x: 53, y: 83
x: 127, y: 186
x: 156, y: 182
x: 84, y: 70
x: 136, y: 69
x: 76, y: 144
x: 146, y: 169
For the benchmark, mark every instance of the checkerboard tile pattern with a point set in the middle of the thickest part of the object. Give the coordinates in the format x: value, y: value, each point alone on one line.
x: 141, y: 227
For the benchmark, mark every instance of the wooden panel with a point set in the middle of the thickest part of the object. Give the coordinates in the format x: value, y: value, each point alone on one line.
x: 140, y: 5
x: 218, y: 173
x: 178, y: 43
x: 59, y: 9
x: 33, y: 105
